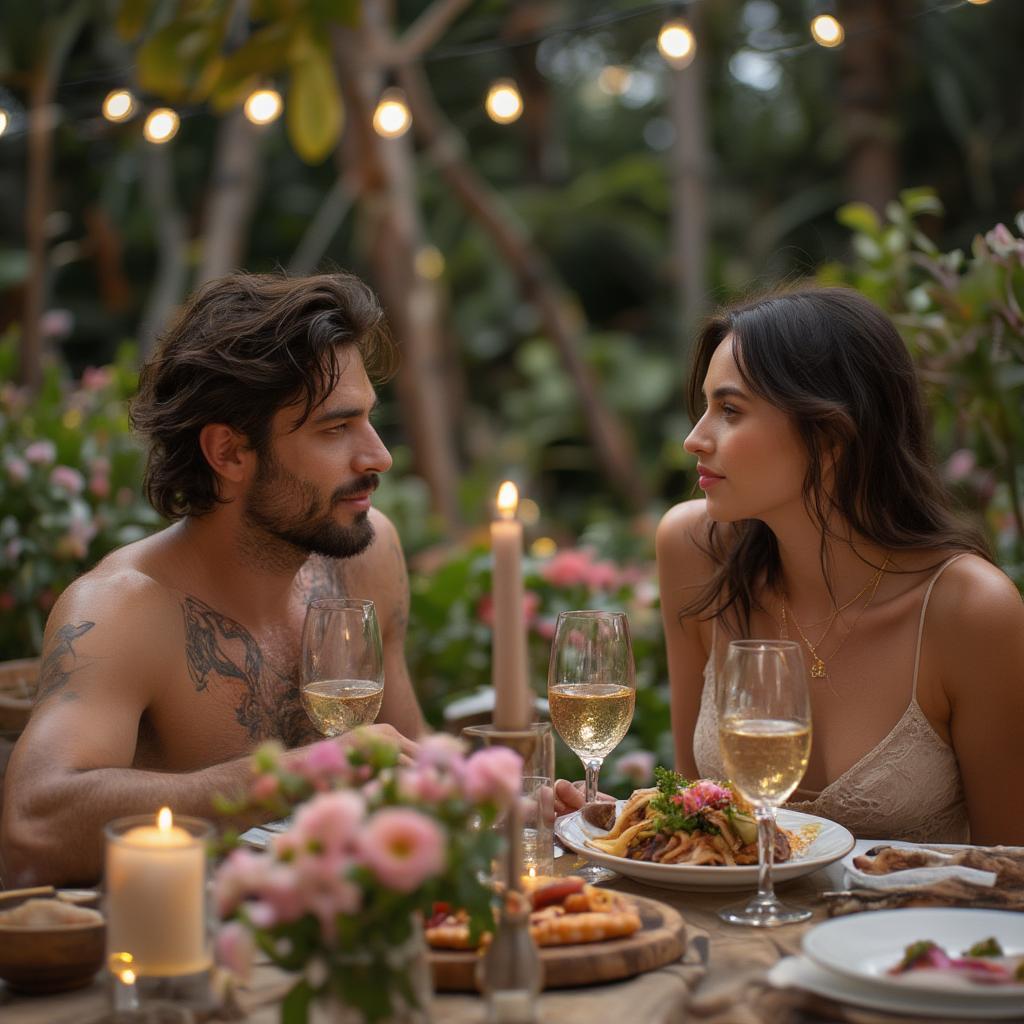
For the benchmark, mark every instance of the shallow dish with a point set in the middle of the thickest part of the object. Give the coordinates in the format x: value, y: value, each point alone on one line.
x: 799, y: 972
x: 865, y: 946
x: 831, y: 843
x: 44, y: 960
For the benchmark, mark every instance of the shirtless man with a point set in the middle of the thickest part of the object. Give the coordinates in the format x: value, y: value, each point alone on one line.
x: 165, y: 665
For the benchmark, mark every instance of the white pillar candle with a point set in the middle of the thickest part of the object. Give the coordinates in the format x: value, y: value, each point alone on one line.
x: 512, y: 703
x: 156, y: 898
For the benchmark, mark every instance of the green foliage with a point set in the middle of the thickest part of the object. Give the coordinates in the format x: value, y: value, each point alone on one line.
x: 961, y: 316
x: 69, y: 489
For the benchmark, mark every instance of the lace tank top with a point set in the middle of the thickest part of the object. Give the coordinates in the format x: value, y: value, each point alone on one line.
x: 908, y: 787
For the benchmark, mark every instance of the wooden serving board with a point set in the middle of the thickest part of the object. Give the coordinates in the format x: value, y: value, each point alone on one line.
x: 661, y: 940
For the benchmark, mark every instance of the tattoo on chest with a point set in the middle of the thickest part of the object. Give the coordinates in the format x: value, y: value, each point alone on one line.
x: 219, y: 649
x: 60, y: 661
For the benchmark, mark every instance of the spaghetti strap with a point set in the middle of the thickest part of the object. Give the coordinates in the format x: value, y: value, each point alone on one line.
x: 924, y: 608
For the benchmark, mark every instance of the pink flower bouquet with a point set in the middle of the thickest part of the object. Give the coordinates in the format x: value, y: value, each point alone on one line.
x: 372, y: 846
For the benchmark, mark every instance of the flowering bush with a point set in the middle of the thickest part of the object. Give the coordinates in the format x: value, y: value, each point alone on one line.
x: 449, y: 645
x: 961, y: 316
x: 371, y: 845
x: 69, y: 490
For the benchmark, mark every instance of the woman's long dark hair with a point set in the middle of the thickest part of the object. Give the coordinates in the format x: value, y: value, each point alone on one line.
x: 834, y: 362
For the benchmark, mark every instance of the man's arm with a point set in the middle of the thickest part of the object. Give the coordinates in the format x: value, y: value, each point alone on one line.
x: 389, y: 582
x: 70, y: 772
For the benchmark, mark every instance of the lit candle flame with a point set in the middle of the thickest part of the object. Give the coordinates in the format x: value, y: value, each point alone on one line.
x: 127, y: 976
x: 164, y: 821
x: 508, y: 500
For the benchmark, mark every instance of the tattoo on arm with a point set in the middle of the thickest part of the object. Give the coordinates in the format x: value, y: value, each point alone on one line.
x: 60, y: 661
x: 219, y: 648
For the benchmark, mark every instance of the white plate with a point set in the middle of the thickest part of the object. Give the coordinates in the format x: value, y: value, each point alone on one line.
x: 864, y: 947
x: 832, y: 842
x: 799, y: 972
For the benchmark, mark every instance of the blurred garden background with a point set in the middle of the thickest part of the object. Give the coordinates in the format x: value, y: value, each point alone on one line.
x: 547, y: 199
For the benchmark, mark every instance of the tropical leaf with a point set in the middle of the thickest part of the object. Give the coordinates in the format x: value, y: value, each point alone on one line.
x: 314, y: 109
x: 131, y: 18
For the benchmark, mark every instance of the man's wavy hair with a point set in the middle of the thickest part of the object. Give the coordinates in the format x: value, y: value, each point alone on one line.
x: 835, y: 364
x: 241, y: 348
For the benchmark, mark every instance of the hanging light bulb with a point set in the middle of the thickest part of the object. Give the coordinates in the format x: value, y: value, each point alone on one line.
x: 978, y: 3
x: 392, y: 118
x: 827, y: 31
x: 677, y: 43
x: 119, y: 105
x: 429, y: 262
x: 504, y: 103
x: 263, y: 106
x: 5, y: 120
x: 161, y: 125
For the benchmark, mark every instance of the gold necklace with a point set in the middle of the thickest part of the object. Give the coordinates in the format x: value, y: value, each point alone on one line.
x: 818, y: 668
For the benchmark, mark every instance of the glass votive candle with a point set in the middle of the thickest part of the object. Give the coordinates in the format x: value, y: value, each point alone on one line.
x: 156, y: 902
x: 537, y: 804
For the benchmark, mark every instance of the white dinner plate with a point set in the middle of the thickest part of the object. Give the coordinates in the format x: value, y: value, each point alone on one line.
x: 799, y: 972
x: 864, y: 947
x: 831, y: 843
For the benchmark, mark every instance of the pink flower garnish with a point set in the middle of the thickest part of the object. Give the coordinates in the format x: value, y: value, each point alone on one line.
x: 494, y: 773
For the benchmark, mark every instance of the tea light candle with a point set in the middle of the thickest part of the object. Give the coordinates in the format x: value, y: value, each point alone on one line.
x: 156, y: 898
x: 512, y: 704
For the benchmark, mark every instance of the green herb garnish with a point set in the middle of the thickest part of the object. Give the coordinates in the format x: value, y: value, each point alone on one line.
x: 987, y: 947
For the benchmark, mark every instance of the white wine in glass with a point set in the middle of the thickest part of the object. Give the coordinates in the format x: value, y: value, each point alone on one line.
x: 764, y: 731
x: 591, y: 693
x: 342, y: 675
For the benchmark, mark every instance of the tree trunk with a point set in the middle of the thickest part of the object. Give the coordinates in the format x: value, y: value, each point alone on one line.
x: 536, y: 280
x: 233, y: 188
x: 389, y: 204
x: 42, y: 119
x: 871, y: 59
x: 690, y: 163
x: 172, y: 269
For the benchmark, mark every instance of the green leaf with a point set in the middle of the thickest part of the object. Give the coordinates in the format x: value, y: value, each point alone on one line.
x: 314, y: 111
x: 918, y: 201
x: 859, y: 217
x: 295, y: 1008
x: 166, y: 59
x: 345, y: 12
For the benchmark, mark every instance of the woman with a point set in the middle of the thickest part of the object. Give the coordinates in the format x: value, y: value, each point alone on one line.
x: 824, y: 520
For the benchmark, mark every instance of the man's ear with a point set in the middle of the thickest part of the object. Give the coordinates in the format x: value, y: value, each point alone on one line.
x: 227, y: 451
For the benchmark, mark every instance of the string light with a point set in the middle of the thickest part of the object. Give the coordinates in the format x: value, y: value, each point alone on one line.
x: 677, y: 43
x: 977, y: 3
x: 119, y: 105
x: 161, y: 125
x: 263, y: 106
x: 504, y: 103
x: 4, y: 121
x: 392, y: 118
x: 429, y: 262
x: 827, y: 31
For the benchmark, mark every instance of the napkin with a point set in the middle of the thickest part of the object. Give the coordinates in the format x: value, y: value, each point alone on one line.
x: 854, y: 878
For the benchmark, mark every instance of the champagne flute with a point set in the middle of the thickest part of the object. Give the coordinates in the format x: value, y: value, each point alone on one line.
x: 764, y: 731
x: 591, y: 693
x: 342, y: 672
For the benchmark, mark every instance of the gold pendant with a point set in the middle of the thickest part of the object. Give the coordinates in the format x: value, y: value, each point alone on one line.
x: 818, y: 669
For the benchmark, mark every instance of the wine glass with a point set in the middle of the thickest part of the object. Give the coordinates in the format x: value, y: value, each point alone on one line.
x: 764, y: 731
x: 342, y: 673
x: 591, y: 693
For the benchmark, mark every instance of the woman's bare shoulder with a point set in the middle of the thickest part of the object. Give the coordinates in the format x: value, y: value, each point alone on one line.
x: 683, y: 527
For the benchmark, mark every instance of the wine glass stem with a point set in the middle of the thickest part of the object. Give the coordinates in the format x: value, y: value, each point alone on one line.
x: 593, y: 768
x: 765, y: 815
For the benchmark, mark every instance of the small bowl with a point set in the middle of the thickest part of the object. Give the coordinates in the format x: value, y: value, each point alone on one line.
x: 39, y: 961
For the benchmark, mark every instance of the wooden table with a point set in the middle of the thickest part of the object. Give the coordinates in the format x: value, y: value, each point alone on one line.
x: 658, y: 997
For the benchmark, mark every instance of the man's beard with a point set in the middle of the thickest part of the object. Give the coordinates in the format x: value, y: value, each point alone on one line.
x: 292, y: 510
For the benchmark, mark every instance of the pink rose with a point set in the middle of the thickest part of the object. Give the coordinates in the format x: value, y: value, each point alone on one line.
x: 960, y: 465
x: 67, y: 479
x: 403, y: 848
x: 17, y: 469
x: 544, y: 627
x: 637, y: 767
x: 494, y: 773
x: 328, y: 823
x: 235, y: 948
x: 602, y: 576
x: 56, y: 323
x: 41, y: 453
x: 96, y: 378
x: 239, y: 876
x: 568, y: 568
x: 99, y: 486
x: 322, y: 764
x: 265, y: 787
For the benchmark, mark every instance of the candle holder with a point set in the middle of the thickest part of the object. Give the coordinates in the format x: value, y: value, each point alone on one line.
x: 511, y: 974
x: 158, y: 911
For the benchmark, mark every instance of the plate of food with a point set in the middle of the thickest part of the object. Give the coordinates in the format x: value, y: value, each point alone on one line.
x: 585, y: 935
x: 697, y: 835
x: 939, y: 950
